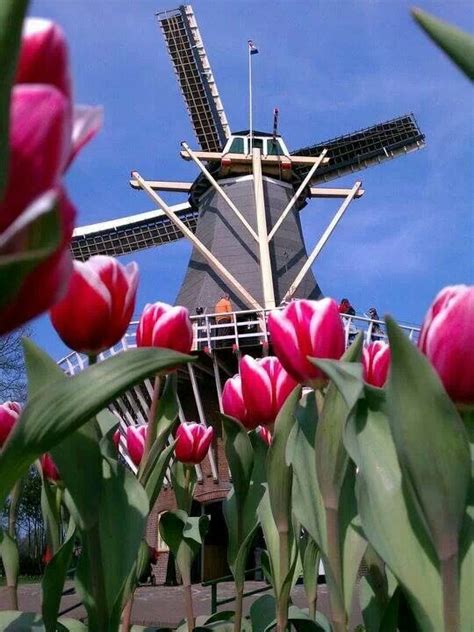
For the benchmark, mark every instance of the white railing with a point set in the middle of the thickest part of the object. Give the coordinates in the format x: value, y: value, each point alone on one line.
x: 244, y: 329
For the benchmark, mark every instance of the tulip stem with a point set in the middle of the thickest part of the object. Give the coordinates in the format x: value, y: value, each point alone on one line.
x: 152, y: 421
x: 450, y: 583
x: 282, y: 606
x: 127, y: 613
x: 188, y: 600
x: 338, y: 614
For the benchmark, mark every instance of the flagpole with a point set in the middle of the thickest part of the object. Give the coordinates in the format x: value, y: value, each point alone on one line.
x: 250, y: 100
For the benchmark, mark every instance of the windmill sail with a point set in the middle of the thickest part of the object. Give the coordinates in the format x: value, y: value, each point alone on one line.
x: 195, y: 77
x: 130, y: 234
x: 364, y: 148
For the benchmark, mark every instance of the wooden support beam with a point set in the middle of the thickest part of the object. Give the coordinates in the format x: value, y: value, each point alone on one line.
x: 163, y: 185
x: 213, y: 156
x: 322, y: 192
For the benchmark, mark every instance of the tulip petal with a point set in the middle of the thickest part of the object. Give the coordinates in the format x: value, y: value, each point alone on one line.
x: 184, y: 444
x: 232, y: 400
x: 202, y: 447
x: 87, y: 121
x: 136, y: 443
x: 256, y: 391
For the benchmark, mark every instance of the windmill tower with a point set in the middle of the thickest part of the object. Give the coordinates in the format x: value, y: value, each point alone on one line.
x: 242, y: 218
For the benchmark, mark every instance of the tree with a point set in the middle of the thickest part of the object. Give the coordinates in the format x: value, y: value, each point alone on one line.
x: 12, y: 366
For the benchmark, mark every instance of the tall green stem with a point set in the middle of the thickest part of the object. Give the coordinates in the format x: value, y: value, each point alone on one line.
x: 450, y: 583
x: 152, y: 420
x: 338, y: 614
x: 240, y: 581
x: 97, y: 579
x: 188, y: 601
x: 282, y: 606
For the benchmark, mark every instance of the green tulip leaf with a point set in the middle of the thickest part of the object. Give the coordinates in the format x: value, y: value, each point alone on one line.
x: 458, y: 45
x: 14, y: 621
x: 110, y: 547
x: 384, y: 512
x: 279, y: 473
x: 310, y: 557
x: 53, y: 414
x: 184, y: 536
x: 54, y: 577
x: 262, y: 613
x: 10, y: 557
x: 12, y: 14
x: 183, y: 482
x: 156, y: 471
x: 239, y: 453
x: 51, y: 511
x: 436, y: 473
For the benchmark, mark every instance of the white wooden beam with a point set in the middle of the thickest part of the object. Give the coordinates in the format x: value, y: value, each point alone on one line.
x: 297, y: 193
x: 164, y: 185
x: 321, y: 243
x: 213, y: 156
x: 265, y: 262
x: 323, y: 192
x: 219, y: 189
x: 206, y: 253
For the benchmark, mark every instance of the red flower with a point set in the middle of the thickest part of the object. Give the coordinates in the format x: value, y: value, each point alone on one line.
x: 162, y: 325
x: 376, y: 362
x: 136, y: 436
x: 193, y: 441
x: 43, y: 140
x: 307, y: 329
x: 100, y: 299
x: 447, y: 339
x: 9, y: 414
x: 265, y: 435
x: 47, y: 555
x: 50, y: 471
x: 233, y: 401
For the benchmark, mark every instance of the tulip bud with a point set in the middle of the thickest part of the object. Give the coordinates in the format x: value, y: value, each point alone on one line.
x: 136, y: 436
x: 116, y: 438
x: 256, y: 396
x: 48, y: 466
x: 233, y: 401
x: 9, y: 414
x: 44, y: 55
x: 162, y: 325
x: 100, y: 299
x: 376, y: 362
x: 265, y: 435
x: 47, y: 555
x: 447, y: 340
x: 307, y: 329
x: 192, y: 442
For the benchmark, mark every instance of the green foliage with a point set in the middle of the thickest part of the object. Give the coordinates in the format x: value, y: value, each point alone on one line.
x: 10, y: 558
x: 54, y: 578
x: 51, y: 415
x: 457, y: 44
x: 12, y: 13
x: 15, y: 621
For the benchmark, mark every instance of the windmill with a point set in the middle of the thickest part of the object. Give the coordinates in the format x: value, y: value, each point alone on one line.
x: 242, y: 218
x: 243, y: 211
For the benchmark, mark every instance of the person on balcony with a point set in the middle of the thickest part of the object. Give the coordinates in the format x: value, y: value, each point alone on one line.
x: 223, y: 310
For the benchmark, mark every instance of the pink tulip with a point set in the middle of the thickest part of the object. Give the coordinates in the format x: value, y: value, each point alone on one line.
x: 447, y: 339
x: 136, y: 436
x: 9, y: 414
x: 98, y: 306
x: 233, y: 401
x: 50, y: 471
x: 44, y: 56
x: 307, y: 329
x: 46, y: 132
x: 162, y: 325
x: 376, y: 362
x: 265, y: 435
x: 256, y: 396
x: 192, y: 442
x: 116, y: 438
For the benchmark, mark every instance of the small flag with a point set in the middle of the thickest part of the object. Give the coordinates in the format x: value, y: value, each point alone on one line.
x: 253, y: 50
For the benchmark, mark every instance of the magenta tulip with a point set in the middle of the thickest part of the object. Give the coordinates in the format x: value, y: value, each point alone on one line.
x: 376, y: 362
x: 9, y: 414
x: 45, y: 133
x: 48, y: 466
x: 265, y: 435
x: 233, y: 401
x: 307, y: 329
x: 162, y: 325
x: 99, y: 303
x: 44, y: 56
x: 192, y: 442
x: 256, y: 396
x: 136, y: 436
x: 447, y: 339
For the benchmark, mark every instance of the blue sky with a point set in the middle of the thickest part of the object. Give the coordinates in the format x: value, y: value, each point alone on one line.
x: 331, y: 68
